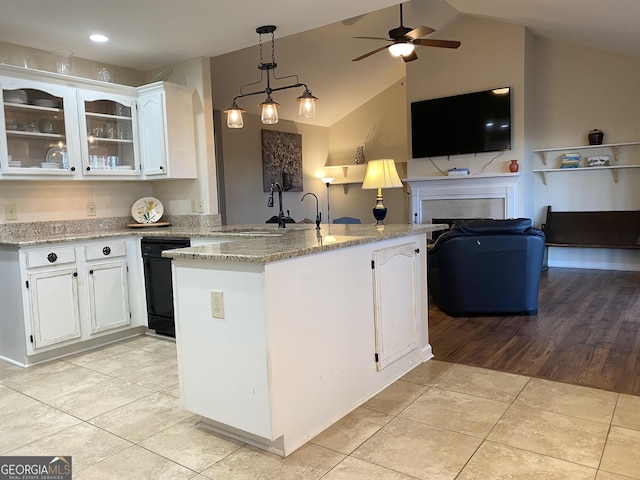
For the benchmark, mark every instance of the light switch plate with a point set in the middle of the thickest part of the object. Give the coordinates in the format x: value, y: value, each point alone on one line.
x: 11, y: 213
x: 217, y: 304
x: 91, y: 209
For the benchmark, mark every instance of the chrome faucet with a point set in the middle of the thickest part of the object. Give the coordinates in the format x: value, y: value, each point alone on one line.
x: 318, y: 213
x: 281, y: 222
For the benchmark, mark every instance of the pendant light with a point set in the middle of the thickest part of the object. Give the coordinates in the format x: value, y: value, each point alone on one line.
x: 269, y: 115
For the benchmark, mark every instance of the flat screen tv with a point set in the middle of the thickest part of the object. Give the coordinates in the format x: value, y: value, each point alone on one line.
x: 470, y: 123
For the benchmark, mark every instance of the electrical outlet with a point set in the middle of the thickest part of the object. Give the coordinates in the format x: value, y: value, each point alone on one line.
x: 91, y: 209
x: 200, y: 206
x: 11, y: 213
x: 217, y: 304
x: 194, y: 205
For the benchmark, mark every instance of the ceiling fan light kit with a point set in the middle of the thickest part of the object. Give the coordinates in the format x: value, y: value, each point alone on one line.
x: 269, y: 107
x: 401, y: 49
x: 404, y: 40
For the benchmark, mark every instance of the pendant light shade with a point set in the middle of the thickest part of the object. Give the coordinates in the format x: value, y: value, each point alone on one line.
x: 307, y: 108
x: 234, y: 116
x: 269, y: 111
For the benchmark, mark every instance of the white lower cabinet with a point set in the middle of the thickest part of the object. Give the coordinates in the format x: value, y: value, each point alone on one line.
x: 55, y: 312
x: 73, y: 294
x: 394, y: 299
x: 107, y: 287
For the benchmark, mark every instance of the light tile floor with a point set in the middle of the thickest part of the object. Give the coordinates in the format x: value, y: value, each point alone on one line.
x: 117, y: 411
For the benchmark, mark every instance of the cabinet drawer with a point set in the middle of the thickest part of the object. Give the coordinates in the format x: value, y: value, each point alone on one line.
x: 104, y: 250
x: 54, y: 256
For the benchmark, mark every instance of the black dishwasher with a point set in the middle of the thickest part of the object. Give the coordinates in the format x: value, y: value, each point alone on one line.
x: 158, y: 285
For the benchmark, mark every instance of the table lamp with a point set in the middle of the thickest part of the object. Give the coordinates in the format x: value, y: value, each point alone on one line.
x: 381, y: 174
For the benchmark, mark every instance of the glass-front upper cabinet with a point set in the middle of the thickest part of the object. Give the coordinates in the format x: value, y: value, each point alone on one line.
x: 38, y: 126
x: 108, y: 132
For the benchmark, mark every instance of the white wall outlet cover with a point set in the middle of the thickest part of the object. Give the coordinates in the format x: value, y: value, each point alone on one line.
x: 217, y: 304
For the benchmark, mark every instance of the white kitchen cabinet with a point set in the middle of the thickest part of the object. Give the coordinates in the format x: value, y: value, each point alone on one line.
x: 107, y: 286
x: 63, y: 127
x: 167, y: 131
x: 66, y: 297
x: 108, y: 134
x: 39, y: 129
x: 393, y: 299
x: 55, y: 312
x: 52, y: 282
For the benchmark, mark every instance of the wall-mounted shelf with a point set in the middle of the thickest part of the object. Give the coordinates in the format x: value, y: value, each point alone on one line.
x: 346, y: 174
x: 614, y: 170
x: 613, y: 146
x: 353, y: 173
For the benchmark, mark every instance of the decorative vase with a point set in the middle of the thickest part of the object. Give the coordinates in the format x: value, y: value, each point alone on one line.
x: 360, y: 155
x: 513, y: 166
x: 595, y: 137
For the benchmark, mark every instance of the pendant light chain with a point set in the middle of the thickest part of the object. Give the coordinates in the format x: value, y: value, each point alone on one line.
x: 273, y: 48
x: 269, y: 107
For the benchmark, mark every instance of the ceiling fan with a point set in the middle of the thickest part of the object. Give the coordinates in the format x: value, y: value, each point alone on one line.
x: 404, y: 40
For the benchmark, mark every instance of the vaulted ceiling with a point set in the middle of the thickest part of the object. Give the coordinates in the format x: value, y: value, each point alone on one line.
x: 313, y: 40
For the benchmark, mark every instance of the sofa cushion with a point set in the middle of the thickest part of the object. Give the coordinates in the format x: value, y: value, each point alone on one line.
x: 492, y: 227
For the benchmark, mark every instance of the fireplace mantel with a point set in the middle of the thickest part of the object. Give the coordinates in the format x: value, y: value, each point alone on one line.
x: 491, y: 187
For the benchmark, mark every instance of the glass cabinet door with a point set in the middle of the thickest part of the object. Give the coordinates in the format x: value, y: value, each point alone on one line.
x: 108, y: 133
x: 36, y: 130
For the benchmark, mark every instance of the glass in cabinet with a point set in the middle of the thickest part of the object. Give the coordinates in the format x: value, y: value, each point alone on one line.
x: 108, y: 132
x: 38, y: 123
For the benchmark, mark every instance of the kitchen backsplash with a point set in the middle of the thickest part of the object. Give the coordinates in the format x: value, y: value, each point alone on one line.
x: 57, y: 227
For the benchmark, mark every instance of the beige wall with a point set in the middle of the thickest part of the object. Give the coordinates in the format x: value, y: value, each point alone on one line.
x: 379, y: 124
x: 491, y: 55
x: 246, y: 202
x: 576, y: 90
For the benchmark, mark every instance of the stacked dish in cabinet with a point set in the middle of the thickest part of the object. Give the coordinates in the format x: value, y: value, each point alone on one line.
x: 35, y: 130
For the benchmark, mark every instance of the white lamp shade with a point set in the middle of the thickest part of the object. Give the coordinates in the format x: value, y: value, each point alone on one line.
x: 381, y: 174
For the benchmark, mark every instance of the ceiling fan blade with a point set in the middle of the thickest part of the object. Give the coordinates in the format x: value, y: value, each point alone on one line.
x: 434, y: 42
x: 419, y: 32
x: 370, y: 53
x: 411, y: 57
x: 376, y: 38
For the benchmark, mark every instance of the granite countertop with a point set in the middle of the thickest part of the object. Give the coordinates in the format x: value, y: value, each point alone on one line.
x: 264, y: 243
x: 237, y: 243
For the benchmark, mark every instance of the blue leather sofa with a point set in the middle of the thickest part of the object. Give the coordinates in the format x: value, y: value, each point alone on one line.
x: 485, y: 267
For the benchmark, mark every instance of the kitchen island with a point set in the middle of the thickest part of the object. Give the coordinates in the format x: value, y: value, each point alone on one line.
x: 285, y: 331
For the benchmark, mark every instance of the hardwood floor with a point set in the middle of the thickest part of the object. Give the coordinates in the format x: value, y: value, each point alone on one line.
x: 586, y: 332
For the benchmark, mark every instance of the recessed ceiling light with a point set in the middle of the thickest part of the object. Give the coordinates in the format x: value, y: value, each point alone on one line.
x: 97, y: 37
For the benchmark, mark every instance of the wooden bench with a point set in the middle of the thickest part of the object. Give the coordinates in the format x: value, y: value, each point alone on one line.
x: 601, y: 229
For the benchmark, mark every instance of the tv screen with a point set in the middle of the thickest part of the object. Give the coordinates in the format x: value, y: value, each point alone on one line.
x: 470, y: 123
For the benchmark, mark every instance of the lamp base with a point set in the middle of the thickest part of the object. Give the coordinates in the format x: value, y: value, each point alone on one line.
x: 379, y: 214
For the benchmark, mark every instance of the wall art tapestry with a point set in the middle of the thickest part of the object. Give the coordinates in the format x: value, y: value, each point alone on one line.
x: 282, y: 160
